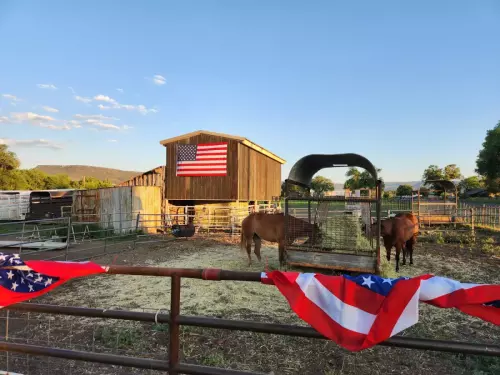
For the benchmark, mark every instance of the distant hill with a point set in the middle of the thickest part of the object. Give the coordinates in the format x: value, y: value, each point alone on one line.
x: 76, y: 172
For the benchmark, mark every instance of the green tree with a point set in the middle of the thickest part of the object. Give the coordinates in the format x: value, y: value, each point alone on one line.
x: 452, y: 172
x: 488, y: 160
x: 58, y: 181
x: 404, y: 190
x: 8, y: 159
x: 353, y: 181
x: 469, y: 183
x: 35, y: 178
x: 361, y: 180
x: 320, y: 185
x: 388, y: 194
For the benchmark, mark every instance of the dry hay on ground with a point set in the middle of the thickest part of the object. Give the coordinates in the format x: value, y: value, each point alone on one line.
x: 239, y: 300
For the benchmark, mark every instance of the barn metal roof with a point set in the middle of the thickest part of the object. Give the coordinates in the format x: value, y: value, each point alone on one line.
x: 242, y: 140
x: 305, y: 168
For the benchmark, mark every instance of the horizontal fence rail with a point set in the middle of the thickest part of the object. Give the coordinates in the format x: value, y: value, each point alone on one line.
x: 174, y: 319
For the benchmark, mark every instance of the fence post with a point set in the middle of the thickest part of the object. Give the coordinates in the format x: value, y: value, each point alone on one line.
x: 136, y: 229
x: 175, y: 306
x: 472, y: 218
x: 68, y: 234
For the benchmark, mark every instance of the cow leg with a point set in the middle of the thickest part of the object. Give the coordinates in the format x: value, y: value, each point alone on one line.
x: 249, y: 250
x: 405, y: 249
x: 410, y: 248
x: 388, y: 248
x: 258, y: 243
x: 388, y: 252
x: 281, y: 252
x: 398, y: 251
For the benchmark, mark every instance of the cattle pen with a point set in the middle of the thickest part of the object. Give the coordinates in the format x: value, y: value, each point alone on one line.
x: 174, y: 320
x: 119, y: 320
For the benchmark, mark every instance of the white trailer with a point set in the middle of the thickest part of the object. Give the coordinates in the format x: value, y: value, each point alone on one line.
x: 14, y: 204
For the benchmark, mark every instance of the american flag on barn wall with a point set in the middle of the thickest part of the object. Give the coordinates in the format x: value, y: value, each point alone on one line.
x: 203, y: 159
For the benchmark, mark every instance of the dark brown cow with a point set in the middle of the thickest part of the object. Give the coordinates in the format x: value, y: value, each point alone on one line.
x: 400, y: 231
x: 260, y: 226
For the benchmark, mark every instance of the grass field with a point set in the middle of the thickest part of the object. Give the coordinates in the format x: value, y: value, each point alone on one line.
x: 471, y: 262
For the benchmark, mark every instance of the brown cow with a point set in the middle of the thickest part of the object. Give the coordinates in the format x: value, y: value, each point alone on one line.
x: 400, y: 231
x: 260, y: 226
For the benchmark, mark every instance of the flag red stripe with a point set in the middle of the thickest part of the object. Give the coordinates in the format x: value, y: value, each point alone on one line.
x: 201, y: 174
x: 315, y: 316
x: 489, y: 313
x: 64, y: 270
x: 391, y: 310
x: 351, y: 293
x: 213, y: 144
x: 474, y: 295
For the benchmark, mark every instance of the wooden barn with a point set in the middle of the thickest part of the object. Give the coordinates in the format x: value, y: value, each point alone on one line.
x: 153, y: 177
x: 239, y: 171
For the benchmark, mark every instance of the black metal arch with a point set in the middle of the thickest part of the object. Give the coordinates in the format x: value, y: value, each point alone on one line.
x: 305, y: 168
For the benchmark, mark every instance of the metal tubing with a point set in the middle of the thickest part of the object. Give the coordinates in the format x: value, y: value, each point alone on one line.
x: 185, y: 368
x: 90, y: 312
x: 272, y: 328
x: 110, y: 359
x: 191, y: 273
x: 175, y: 306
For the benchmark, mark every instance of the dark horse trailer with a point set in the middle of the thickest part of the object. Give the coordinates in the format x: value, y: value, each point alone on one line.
x: 48, y: 204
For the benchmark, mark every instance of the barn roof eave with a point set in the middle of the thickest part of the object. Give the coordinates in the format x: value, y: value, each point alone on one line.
x: 242, y: 140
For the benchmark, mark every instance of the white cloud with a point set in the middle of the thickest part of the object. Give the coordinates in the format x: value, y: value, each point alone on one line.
x: 112, y: 140
x: 48, y: 86
x: 55, y: 127
x: 120, y: 90
x: 83, y: 99
x: 126, y: 127
x: 42, y: 143
x: 74, y: 123
x: 106, y: 126
x: 100, y: 117
x: 104, y: 98
x: 30, y: 117
x: 103, y: 107
x: 50, y: 109
x: 72, y: 90
x: 11, y: 97
x: 4, y: 120
x: 159, y: 80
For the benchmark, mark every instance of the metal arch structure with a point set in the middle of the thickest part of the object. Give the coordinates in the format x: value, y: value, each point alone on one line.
x: 297, y: 188
x: 305, y: 168
x: 439, y: 218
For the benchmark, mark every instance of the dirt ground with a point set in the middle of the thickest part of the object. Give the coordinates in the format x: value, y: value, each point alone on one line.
x: 250, y: 301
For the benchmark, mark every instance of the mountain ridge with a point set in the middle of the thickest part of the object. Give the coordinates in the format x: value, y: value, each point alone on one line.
x: 77, y: 172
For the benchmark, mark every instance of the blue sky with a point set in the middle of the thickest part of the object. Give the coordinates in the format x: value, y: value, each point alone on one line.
x: 404, y: 84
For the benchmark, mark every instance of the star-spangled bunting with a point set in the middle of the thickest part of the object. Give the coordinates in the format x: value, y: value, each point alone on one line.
x: 21, y: 281
x: 362, y: 311
x: 355, y: 312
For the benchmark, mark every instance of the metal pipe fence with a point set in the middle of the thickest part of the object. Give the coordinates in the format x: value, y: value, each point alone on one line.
x: 174, y: 319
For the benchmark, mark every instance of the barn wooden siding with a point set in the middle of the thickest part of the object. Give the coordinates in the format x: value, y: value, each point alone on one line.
x: 118, y: 207
x: 223, y: 188
x: 153, y: 177
x: 251, y: 175
x: 259, y: 175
